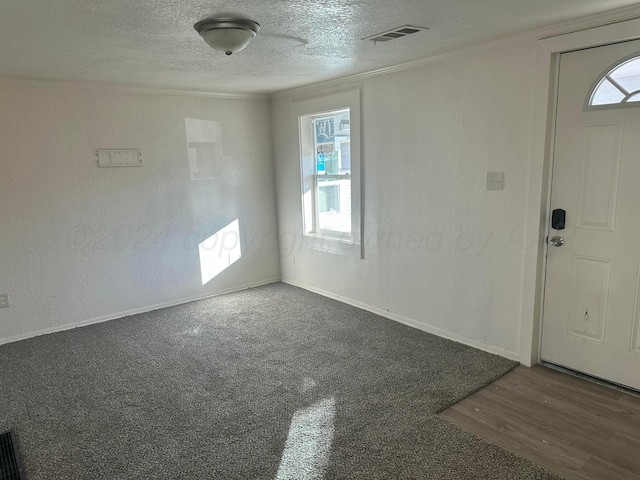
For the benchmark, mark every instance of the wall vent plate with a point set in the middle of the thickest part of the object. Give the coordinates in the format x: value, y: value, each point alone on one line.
x: 395, y: 33
x: 11, y: 466
x: 119, y: 158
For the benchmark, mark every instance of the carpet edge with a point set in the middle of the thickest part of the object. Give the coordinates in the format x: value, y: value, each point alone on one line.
x: 508, y: 354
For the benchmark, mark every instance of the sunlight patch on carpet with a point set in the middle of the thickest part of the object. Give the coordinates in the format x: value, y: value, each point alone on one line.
x: 308, y: 445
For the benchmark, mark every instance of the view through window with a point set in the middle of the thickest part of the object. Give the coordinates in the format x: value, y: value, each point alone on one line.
x: 620, y: 85
x: 332, y: 177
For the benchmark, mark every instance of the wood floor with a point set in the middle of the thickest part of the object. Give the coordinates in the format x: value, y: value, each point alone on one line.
x: 570, y: 426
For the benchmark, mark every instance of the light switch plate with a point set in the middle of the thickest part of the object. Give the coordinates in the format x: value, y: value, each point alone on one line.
x: 4, y: 300
x: 119, y: 158
x: 495, y: 180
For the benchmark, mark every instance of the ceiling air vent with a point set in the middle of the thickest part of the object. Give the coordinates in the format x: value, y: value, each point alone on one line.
x: 397, y: 32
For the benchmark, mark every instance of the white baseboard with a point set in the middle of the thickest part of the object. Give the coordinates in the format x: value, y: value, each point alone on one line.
x: 378, y: 311
x: 135, y: 311
x: 409, y: 322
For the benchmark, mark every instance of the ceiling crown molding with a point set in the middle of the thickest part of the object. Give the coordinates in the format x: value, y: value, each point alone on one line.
x: 8, y: 82
x: 570, y: 26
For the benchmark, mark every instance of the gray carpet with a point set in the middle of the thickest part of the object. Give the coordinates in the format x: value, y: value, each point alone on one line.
x: 272, y: 382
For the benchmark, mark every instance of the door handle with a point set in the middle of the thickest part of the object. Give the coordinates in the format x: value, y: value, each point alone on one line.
x: 556, y: 241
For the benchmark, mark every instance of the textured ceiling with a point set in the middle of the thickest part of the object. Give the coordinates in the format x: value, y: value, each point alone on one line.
x: 153, y: 43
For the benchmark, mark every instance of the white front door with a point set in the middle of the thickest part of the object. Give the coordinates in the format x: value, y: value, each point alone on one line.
x: 591, y: 317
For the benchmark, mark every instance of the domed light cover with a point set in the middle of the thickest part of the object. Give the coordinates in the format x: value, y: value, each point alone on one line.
x: 228, y: 35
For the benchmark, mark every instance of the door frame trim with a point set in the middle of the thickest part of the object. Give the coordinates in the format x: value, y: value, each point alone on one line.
x: 541, y: 166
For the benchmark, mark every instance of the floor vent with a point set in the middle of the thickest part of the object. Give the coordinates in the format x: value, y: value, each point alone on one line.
x: 10, y: 461
x: 397, y: 32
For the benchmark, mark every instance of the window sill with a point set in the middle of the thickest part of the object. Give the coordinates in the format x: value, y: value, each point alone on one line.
x: 334, y: 246
x: 328, y: 236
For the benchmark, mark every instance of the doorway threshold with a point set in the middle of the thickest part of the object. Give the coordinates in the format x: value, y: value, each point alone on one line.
x: 591, y: 378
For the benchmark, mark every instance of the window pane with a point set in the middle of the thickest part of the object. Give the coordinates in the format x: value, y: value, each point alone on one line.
x: 628, y: 75
x: 606, y: 93
x: 634, y: 98
x: 332, y: 143
x: 345, y: 157
x: 334, y: 204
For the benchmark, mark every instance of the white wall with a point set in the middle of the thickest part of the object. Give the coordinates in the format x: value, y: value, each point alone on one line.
x: 441, y: 252
x: 79, y: 243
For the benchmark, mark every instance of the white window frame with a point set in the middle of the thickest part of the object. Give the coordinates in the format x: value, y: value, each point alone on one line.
x: 329, y: 241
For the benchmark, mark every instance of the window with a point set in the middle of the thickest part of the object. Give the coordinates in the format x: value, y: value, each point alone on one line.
x: 620, y: 85
x: 331, y: 196
x: 330, y: 171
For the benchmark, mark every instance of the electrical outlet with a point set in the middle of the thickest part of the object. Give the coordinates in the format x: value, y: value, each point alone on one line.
x: 293, y: 260
x: 4, y: 300
x: 495, y: 180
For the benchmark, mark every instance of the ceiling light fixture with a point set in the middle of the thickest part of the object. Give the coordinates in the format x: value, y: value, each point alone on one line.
x: 228, y: 35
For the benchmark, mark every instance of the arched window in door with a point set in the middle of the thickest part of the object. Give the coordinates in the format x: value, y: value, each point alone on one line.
x: 619, y: 85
